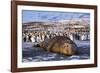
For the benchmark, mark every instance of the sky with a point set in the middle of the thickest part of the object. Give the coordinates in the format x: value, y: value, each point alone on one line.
x: 33, y: 15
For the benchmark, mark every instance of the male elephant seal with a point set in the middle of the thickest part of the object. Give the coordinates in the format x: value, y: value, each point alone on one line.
x: 59, y: 44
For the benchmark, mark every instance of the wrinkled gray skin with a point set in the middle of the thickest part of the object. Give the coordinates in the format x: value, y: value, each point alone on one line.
x: 56, y: 45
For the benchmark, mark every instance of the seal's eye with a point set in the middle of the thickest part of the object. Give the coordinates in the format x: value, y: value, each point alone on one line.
x: 67, y: 45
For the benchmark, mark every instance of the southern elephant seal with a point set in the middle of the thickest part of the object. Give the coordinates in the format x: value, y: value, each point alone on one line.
x: 59, y: 44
